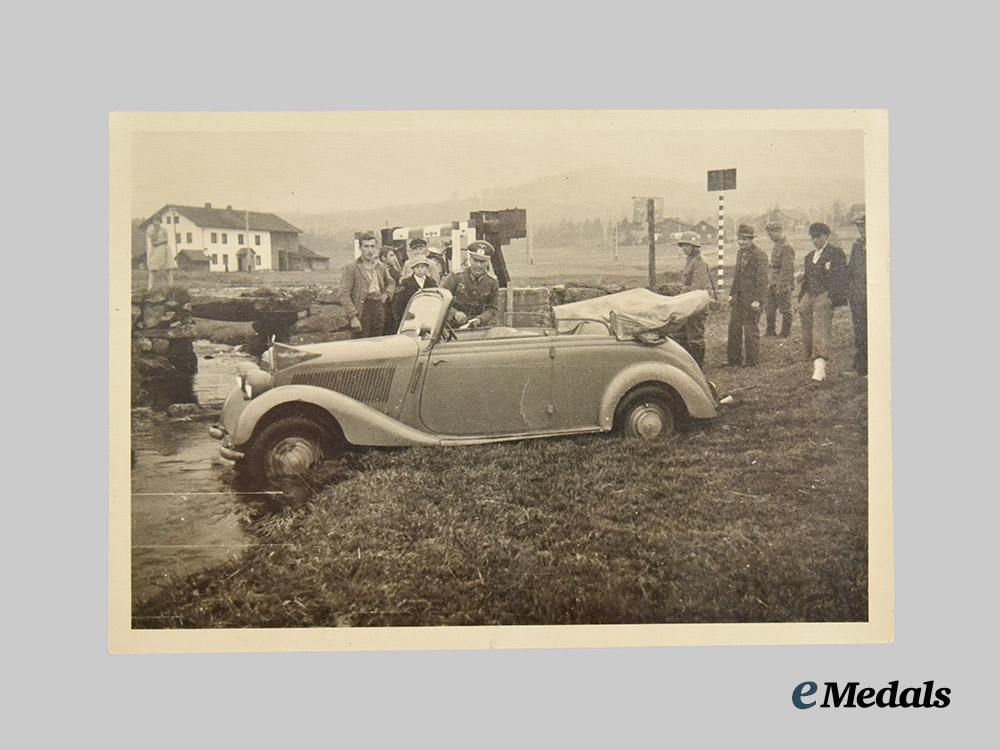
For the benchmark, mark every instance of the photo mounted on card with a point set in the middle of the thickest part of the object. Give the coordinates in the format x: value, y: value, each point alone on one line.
x: 499, y: 379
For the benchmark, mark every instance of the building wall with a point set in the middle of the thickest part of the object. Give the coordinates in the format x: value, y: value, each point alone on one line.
x: 283, y: 242
x: 193, y: 237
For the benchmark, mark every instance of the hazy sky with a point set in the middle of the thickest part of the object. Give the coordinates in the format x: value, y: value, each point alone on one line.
x: 307, y: 172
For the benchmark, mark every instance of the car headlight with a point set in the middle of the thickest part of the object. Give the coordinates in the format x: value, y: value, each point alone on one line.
x: 255, y: 382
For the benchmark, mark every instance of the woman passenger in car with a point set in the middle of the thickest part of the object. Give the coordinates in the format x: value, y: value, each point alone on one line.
x: 416, y: 276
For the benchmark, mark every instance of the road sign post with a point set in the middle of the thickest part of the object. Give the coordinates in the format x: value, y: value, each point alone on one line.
x: 720, y: 180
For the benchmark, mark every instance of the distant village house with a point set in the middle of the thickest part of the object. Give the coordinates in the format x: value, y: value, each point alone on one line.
x: 228, y: 239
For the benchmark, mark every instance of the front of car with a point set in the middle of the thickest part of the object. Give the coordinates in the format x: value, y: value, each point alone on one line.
x: 374, y: 372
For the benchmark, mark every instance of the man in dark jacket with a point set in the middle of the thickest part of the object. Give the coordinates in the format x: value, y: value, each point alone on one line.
x: 746, y: 300
x: 857, y: 296
x: 476, y: 293
x: 417, y: 279
x: 782, y: 282
x: 824, y: 287
x: 365, y: 286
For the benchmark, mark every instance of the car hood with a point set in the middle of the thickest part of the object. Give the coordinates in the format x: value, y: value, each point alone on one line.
x: 362, y: 350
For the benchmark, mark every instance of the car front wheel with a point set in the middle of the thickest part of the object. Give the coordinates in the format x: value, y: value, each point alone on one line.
x: 645, y: 413
x: 288, y: 447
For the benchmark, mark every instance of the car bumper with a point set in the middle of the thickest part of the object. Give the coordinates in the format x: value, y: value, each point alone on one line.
x: 226, y: 450
x: 223, y: 430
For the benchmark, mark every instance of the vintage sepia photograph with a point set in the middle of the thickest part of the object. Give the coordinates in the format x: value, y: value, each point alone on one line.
x: 499, y: 379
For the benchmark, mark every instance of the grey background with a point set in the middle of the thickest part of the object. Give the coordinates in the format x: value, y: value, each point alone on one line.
x: 67, y: 68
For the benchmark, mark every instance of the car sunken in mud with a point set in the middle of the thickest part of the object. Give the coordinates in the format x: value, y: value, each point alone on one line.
x: 433, y: 385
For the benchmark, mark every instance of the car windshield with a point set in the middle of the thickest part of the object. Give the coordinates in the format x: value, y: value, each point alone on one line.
x: 421, y: 315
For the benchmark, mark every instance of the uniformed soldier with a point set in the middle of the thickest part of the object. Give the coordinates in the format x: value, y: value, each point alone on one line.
x: 857, y: 296
x: 695, y: 276
x: 476, y: 294
x: 746, y: 300
x: 782, y: 281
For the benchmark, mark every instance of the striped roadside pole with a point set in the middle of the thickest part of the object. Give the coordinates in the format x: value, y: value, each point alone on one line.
x: 722, y: 243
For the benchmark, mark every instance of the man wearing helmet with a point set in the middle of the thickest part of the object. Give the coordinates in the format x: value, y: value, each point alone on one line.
x: 695, y: 276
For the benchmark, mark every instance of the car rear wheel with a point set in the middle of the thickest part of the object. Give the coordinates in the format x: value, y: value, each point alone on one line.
x: 645, y: 413
x: 288, y: 447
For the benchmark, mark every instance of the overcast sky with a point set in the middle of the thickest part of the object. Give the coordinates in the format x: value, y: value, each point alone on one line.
x: 306, y: 172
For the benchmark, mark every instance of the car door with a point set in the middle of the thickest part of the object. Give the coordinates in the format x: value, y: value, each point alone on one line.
x: 487, y: 387
x: 582, y: 367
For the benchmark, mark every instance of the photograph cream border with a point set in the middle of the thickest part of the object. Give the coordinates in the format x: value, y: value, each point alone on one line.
x: 879, y: 628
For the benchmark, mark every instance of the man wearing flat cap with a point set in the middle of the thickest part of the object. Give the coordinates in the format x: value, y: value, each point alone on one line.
x: 746, y: 300
x: 782, y: 281
x: 695, y: 276
x: 857, y: 295
x: 476, y: 294
x: 824, y: 287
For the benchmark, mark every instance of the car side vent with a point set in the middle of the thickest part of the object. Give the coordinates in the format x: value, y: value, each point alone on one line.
x: 370, y: 385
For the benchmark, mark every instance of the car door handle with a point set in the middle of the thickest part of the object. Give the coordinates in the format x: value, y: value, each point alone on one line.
x: 437, y: 362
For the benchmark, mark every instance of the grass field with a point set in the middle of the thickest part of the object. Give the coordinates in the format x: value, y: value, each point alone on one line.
x: 757, y: 516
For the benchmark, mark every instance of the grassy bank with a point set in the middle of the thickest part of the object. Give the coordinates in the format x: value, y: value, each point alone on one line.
x: 758, y: 516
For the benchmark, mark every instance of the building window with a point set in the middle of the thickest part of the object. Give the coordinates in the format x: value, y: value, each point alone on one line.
x: 177, y: 238
x: 169, y: 219
x: 239, y: 239
x: 215, y: 259
x: 256, y: 239
x: 225, y: 238
x: 258, y: 260
x: 189, y: 238
x: 215, y: 238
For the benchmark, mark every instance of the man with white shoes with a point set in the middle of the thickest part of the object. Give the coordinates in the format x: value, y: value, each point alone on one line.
x: 824, y: 287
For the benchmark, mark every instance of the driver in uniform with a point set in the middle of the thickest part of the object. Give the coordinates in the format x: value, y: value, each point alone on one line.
x: 476, y: 294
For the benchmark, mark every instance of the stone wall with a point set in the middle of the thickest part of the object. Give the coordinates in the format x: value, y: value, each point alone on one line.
x: 163, y: 358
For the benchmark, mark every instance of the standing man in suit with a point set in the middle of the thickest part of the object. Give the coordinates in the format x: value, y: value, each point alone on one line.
x: 365, y: 287
x: 746, y: 300
x: 779, y: 290
x: 857, y: 296
x: 824, y: 287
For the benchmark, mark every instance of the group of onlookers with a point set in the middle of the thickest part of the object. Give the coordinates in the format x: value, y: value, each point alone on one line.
x: 761, y: 284
x: 378, y: 286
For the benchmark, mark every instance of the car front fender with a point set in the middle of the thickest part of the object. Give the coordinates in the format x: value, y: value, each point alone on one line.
x: 696, y: 398
x: 360, y: 423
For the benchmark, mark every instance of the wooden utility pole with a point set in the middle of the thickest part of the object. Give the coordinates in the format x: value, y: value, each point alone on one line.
x: 651, y: 221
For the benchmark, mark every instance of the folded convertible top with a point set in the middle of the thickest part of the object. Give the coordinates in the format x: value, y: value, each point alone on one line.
x: 638, y: 309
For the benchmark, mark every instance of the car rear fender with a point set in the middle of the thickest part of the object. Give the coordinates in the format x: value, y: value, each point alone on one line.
x: 360, y: 423
x: 696, y: 399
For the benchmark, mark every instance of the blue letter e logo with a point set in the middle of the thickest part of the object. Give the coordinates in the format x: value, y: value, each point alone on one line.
x: 803, y: 690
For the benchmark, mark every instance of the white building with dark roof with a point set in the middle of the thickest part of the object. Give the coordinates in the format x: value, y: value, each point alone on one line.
x: 230, y: 239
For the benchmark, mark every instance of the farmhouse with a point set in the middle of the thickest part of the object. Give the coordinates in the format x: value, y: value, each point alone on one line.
x: 231, y: 239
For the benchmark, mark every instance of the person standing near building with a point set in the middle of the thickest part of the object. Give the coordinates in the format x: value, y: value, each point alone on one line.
x: 857, y: 295
x: 746, y: 300
x: 476, y: 294
x: 824, y: 287
x: 159, y: 259
x: 365, y: 287
x: 695, y: 276
x: 782, y: 281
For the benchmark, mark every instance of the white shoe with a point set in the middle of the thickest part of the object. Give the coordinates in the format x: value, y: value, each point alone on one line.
x: 819, y: 369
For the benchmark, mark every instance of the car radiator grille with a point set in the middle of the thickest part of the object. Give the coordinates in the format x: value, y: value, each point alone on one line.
x: 370, y: 385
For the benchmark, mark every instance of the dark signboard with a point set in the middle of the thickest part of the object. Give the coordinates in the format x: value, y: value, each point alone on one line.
x: 721, y: 179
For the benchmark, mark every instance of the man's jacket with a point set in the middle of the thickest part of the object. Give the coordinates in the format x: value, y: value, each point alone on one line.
x: 783, y: 266
x: 477, y: 298
x: 354, y: 285
x: 750, y: 279
x: 829, y: 275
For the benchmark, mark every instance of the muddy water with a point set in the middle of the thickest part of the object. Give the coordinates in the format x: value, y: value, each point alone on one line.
x: 185, y: 512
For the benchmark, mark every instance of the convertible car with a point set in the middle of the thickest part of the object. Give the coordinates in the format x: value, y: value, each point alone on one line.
x: 433, y: 385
